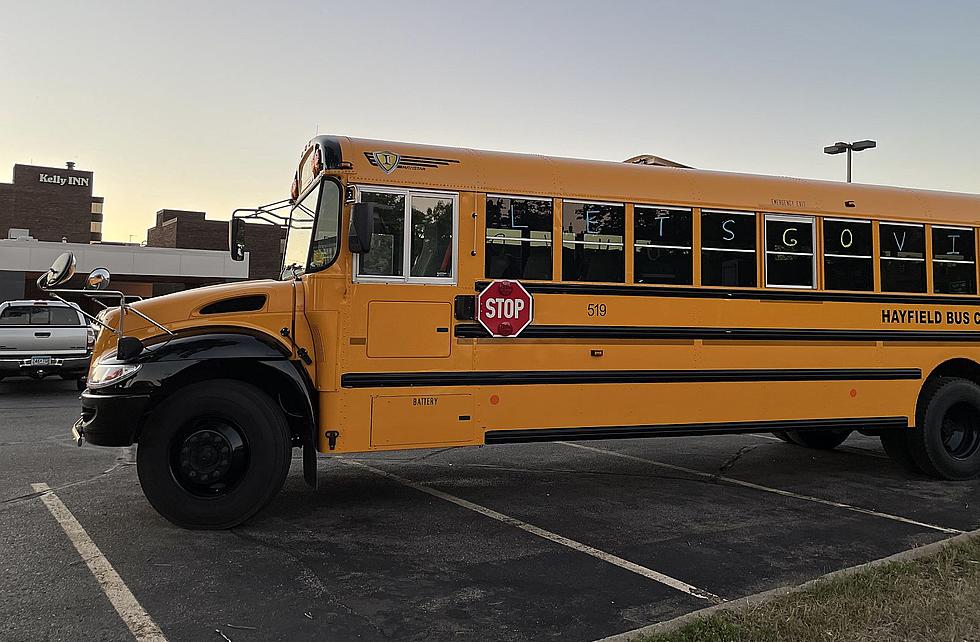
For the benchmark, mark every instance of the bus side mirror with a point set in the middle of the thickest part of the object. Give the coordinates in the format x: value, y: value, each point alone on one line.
x: 59, y: 273
x: 98, y: 279
x: 361, y: 227
x: 236, y: 239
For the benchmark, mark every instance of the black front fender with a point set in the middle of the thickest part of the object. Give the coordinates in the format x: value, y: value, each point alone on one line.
x: 187, y: 359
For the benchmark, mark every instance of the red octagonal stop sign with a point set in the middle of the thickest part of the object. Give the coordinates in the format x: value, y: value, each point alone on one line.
x: 504, y: 308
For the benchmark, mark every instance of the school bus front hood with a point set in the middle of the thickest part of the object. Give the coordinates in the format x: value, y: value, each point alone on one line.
x: 265, y: 306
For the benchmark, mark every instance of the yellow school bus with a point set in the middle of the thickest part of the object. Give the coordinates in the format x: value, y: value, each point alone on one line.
x: 666, y: 301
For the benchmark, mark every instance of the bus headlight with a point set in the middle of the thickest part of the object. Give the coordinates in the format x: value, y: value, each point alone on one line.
x: 108, y: 374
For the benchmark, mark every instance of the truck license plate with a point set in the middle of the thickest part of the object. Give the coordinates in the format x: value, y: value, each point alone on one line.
x: 40, y: 361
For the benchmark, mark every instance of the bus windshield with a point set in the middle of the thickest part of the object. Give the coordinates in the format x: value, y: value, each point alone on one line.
x: 314, y: 229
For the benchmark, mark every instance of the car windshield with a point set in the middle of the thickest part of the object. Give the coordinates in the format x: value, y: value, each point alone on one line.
x: 314, y: 230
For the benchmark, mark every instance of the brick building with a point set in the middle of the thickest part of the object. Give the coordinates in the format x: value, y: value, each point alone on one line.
x: 191, y: 230
x: 45, y: 211
x: 51, y: 204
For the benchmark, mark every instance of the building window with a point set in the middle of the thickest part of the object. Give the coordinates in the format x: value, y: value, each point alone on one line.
x: 789, y: 251
x: 662, y: 245
x: 903, y: 257
x: 728, y: 248
x: 592, y: 242
x: 848, y: 262
x: 519, y: 238
x: 954, y: 268
x: 413, y: 237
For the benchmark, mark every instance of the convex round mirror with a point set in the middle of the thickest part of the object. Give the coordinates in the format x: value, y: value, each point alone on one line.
x: 97, y: 279
x: 60, y: 271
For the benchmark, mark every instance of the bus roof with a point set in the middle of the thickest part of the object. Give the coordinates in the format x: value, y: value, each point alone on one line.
x: 377, y: 162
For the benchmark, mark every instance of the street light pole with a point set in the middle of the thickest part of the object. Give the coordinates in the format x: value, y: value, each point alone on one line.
x: 856, y: 146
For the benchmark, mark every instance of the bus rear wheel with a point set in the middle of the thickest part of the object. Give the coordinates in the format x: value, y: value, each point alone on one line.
x: 818, y: 439
x: 946, y: 440
x: 213, y: 454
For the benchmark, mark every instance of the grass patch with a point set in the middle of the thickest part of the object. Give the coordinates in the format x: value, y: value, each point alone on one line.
x: 930, y: 599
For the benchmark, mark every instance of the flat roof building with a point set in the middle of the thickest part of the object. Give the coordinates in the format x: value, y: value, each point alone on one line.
x: 45, y: 211
x: 52, y: 204
x: 188, y: 229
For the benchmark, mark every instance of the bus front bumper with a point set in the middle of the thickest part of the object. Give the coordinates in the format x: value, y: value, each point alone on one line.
x: 110, y: 420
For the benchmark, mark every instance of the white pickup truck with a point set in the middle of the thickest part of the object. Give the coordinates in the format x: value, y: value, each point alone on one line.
x: 44, y: 338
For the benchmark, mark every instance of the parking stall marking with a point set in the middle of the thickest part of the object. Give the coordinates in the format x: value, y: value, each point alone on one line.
x: 767, y: 489
x: 609, y: 558
x: 140, y: 624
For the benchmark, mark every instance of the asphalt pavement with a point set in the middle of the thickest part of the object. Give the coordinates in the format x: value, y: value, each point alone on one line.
x: 518, y: 542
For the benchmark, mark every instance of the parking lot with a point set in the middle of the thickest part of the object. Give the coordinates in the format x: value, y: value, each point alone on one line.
x: 568, y: 541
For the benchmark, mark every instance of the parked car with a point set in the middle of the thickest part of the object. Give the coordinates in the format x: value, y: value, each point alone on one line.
x: 44, y: 338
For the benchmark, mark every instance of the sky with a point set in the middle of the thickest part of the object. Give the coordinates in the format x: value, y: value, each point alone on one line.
x: 207, y: 105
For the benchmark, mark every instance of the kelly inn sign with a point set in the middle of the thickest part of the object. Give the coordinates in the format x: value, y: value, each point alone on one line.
x: 80, y: 181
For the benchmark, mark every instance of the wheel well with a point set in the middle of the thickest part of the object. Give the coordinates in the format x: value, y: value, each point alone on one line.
x: 278, y: 385
x: 960, y: 367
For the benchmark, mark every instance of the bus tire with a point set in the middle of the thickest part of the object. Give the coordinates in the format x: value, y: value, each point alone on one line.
x: 896, y: 445
x: 781, y: 434
x: 818, y: 439
x: 213, y: 454
x: 946, y: 440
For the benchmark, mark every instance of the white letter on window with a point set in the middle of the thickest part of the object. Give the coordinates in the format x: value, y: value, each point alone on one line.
x: 789, y: 242
x: 900, y: 244
x: 850, y: 237
x: 728, y: 231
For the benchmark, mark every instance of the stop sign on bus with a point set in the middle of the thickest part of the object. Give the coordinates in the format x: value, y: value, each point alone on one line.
x: 504, y: 308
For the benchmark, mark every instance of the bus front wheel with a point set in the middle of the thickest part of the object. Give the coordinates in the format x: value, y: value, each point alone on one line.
x: 946, y: 440
x: 818, y: 439
x: 213, y: 454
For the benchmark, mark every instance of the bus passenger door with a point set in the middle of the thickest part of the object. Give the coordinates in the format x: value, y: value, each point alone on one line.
x: 403, y: 294
x: 405, y: 284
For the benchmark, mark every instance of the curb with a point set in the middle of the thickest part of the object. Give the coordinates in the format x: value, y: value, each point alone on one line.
x: 758, y: 598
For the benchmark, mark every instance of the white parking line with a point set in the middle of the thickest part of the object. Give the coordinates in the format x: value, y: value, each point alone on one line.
x: 767, y: 489
x: 609, y: 558
x: 140, y: 624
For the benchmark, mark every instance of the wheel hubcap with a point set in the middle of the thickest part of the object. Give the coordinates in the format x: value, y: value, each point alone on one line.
x: 961, y: 431
x: 209, y: 457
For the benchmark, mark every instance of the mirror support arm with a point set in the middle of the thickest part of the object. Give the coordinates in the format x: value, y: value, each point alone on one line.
x: 109, y: 294
x: 85, y: 314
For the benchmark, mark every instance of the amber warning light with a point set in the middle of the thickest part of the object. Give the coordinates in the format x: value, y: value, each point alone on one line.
x: 504, y: 308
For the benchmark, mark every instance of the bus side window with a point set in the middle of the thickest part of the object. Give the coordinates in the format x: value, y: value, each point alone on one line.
x: 385, y: 257
x: 903, y: 257
x: 728, y: 248
x: 954, y: 260
x: 662, y: 249
x: 592, y: 242
x: 432, y: 236
x: 848, y: 255
x: 518, y: 238
x: 789, y: 251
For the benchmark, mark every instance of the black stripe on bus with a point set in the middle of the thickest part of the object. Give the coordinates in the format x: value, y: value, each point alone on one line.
x: 689, y: 430
x: 476, y: 331
x: 536, y: 377
x: 720, y: 293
